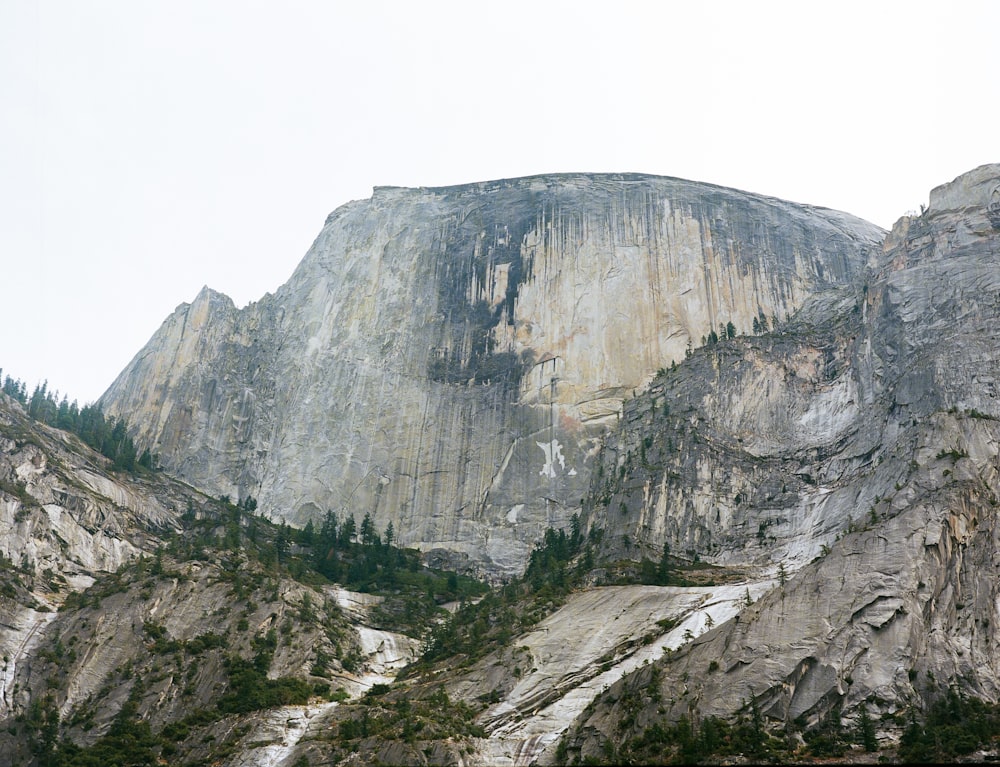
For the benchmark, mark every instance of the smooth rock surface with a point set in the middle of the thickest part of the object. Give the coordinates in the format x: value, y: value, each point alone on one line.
x: 447, y: 359
x: 576, y: 653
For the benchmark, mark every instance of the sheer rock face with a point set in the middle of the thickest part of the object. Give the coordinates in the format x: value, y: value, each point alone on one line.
x: 762, y: 449
x: 860, y: 450
x: 446, y: 359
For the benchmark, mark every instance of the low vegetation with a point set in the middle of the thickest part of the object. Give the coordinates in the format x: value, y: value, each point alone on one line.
x: 108, y: 436
x: 392, y: 717
x: 556, y: 566
x: 953, y: 727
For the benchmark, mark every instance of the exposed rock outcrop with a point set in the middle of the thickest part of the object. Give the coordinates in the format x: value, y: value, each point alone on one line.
x: 860, y: 446
x: 99, y: 615
x: 446, y: 359
x: 843, y: 468
x: 550, y: 675
x: 64, y: 520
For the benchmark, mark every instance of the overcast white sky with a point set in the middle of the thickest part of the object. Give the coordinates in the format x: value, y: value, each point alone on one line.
x: 149, y: 148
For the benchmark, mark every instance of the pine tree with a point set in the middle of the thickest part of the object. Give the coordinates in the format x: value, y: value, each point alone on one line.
x: 308, y: 534
x: 762, y: 321
x: 62, y: 415
x: 281, y: 541
x: 347, y: 532
x: 328, y: 530
x: 37, y: 400
x: 866, y: 730
x: 368, y: 533
x: 663, y: 569
x: 575, y: 535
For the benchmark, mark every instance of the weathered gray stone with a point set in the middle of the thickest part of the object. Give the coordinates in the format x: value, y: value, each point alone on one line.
x: 547, y: 677
x: 849, y: 463
x: 858, y: 448
x: 446, y: 359
x: 67, y: 522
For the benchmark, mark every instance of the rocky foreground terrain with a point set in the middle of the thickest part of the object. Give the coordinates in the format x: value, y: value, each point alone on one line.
x: 133, y: 604
x: 781, y: 545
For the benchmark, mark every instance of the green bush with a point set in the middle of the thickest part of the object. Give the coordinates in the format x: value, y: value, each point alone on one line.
x: 954, y: 726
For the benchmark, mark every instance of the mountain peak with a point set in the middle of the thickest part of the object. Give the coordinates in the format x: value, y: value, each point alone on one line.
x: 396, y: 374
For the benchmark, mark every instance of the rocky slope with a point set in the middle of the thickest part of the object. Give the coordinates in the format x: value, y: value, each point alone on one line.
x: 447, y: 359
x: 64, y: 520
x: 552, y: 674
x: 858, y: 450
x: 133, y: 611
x: 840, y: 474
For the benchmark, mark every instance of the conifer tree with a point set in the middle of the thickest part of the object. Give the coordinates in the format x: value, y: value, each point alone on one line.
x: 663, y: 569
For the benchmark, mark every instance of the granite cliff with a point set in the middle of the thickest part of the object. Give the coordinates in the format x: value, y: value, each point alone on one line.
x: 446, y: 360
x: 853, y: 457
x: 826, y: 488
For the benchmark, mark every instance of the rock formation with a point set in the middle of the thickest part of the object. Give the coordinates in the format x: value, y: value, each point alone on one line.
x: 432, y: 363
x: 858, y: 450
x: 446, y: 360
x: 102, y: 624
